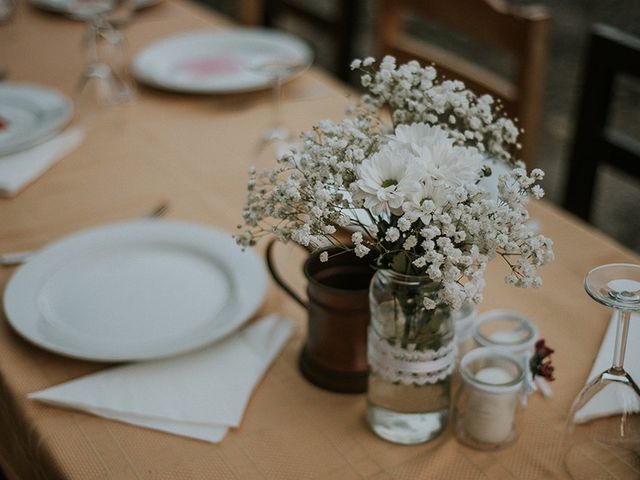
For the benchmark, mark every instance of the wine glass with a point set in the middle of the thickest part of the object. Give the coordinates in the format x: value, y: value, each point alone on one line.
x: 104, y: 80
x: 7, y: 29
x: 608, y: 447
x: 276, y: 70
x: 7, y: 11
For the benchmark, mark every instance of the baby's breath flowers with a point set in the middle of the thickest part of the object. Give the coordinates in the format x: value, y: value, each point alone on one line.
x: 414, y: 191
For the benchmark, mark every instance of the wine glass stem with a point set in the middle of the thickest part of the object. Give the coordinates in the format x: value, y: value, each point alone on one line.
x: 91, y: 41
x: 277, y: 98
x: 622, y: 332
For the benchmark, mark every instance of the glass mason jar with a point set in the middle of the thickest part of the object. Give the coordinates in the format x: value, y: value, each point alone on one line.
x: 489, y: 398
x: 411, y: 352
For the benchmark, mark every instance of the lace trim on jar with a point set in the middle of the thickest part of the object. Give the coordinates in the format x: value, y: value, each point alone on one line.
x: 408, y: 365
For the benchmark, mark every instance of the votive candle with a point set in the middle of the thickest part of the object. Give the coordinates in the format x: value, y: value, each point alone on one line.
x: 488, y: 398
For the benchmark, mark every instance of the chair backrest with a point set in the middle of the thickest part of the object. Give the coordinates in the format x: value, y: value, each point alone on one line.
x: 519, y: 31
x: 610, y: 53
x: 250, y: 12
x: 340, y: 26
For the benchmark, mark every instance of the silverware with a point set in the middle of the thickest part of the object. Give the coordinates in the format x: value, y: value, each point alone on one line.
x: 17, y: 258
x: 159, y: 211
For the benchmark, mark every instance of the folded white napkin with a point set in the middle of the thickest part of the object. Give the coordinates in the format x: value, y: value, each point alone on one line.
x: 609, y: 401
x: 199, y: 394
x: 21, y: 168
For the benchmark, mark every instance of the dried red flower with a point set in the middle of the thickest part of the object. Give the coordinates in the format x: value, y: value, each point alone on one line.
x: 546, y: 370
x: 538, y: 365
x: 542, y: 350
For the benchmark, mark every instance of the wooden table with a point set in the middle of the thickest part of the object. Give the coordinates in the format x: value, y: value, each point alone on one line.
x: 194, y: 151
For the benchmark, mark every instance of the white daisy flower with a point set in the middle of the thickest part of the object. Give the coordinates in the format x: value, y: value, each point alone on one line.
x: 441, y: 160
x: 385, y: 181
x: 416, y: 136
x: 422, y: 203
x: 449, y: 165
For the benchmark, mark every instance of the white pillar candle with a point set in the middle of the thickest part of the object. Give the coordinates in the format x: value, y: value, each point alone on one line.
x: 505, y: 336
x: 489, y: 416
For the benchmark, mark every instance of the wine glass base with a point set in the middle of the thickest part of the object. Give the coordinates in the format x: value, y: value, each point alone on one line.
x: 276, y: 134
x: 594, y: 457
x: 99, y: 88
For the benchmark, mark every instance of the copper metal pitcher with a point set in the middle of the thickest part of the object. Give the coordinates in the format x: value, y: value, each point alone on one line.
x: 334, y: 356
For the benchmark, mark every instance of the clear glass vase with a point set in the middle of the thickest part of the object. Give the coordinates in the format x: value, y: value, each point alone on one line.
x: 411, y: 352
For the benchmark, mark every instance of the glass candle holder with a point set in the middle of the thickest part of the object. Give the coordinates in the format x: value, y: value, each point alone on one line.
x: 488, y: 401
x: 506, y: 329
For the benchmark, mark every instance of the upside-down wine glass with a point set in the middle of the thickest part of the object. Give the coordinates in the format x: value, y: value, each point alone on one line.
x: 7, y: 29
x: 609, y: 446
x: 277, y: 70
x: 7, y: 11
x: 104, y: 81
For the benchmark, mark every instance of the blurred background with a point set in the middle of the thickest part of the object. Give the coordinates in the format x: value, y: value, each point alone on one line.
x: 353, y: 34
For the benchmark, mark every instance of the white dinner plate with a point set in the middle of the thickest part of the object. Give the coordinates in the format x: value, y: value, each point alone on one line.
x: 63, y: 6
x: 224, y: 61
x: 30, y: 115
x: 135, y: 291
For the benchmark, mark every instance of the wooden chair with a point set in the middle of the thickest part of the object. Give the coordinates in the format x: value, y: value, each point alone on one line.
x: 519, y: 31
x: 340, y: 26
x: 610, y: 53
x: 250, y: 12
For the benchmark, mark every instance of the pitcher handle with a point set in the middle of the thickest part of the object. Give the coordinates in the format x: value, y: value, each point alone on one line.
x: 278, y: 279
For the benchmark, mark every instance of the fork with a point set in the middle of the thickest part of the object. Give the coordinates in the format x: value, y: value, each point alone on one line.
x: 17, y: 258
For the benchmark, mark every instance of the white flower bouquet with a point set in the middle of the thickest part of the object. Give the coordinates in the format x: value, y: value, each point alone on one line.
x: 410, y: 171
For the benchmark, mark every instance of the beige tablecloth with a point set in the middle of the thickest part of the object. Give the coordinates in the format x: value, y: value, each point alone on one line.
x: 195, y: 151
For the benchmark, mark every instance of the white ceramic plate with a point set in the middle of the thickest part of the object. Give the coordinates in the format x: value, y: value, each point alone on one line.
x: 63, y: 6
x: 30, y: 115
x: 135, y: 291
x: 220, y: 61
